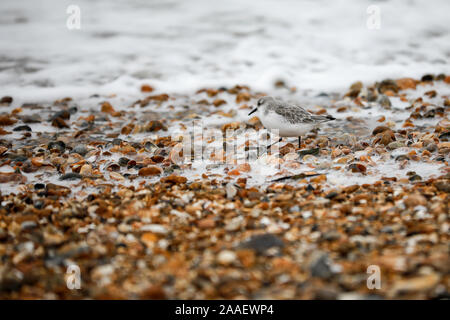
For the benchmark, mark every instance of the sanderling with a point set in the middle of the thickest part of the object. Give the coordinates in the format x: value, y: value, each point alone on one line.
x: 290, y: 119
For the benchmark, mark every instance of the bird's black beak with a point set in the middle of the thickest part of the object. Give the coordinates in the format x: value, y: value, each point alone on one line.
x: 253, y: 111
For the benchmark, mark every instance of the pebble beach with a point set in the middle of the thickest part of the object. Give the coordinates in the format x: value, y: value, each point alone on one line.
x: 93, y: 173
x: 99, y: 188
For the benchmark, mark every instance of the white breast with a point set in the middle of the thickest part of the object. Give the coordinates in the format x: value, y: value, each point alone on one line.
x: 273, y: 120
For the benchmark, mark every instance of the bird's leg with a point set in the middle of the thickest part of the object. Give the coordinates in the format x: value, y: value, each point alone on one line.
x: 274, y: 143
x: 300, y: 142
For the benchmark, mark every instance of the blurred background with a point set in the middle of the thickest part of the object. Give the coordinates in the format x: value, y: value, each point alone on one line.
x: 180, y: 46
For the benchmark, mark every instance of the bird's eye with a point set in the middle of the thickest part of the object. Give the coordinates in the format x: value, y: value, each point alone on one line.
x: 260, y: 102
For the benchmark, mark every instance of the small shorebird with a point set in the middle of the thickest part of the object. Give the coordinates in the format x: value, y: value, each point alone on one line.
x: 290, y: 119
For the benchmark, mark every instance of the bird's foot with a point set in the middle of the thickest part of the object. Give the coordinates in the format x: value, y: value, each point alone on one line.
x: 268, y: 148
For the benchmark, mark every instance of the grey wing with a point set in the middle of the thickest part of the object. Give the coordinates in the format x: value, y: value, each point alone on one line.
x: 294, y: 113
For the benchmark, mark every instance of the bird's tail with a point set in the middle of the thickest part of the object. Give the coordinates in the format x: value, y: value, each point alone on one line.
x: 323, y: 118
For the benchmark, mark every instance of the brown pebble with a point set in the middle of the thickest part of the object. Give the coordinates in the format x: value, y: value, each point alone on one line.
x: 380, y: 129
x: 6, y: 177
x: 406, y: 83
x: 243, y: 96
x: 108, y: 108
x: 6, y: 100
x: 174, y: 179
x: 155, y: 125
x: 414, y: 200
x: 146, y: 88
x: 357, y: 167
x: 6, y: 121
x: 206, y: 223
x: 219, y: 102
x: 59, y: 123
x: 150, y: 171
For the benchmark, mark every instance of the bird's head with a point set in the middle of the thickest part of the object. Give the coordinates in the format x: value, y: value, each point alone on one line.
x: 262, y: 103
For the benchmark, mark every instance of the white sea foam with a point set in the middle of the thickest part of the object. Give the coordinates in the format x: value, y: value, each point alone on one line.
x: 180, y: 46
